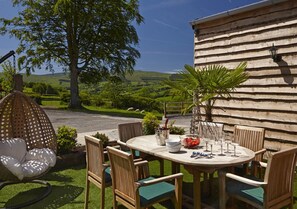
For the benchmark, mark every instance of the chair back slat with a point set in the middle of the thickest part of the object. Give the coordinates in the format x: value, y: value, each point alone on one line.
x: 129, y: 130
x: 210, y: 129
x: 94, y: 157
x: 250, y: 137
x: 123, y: 174
x: 280, y: 176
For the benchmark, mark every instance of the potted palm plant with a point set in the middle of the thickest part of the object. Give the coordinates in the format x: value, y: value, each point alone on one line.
x: 206, y: 84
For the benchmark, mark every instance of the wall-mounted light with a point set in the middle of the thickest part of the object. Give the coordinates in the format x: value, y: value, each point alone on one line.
x: 273, y: 51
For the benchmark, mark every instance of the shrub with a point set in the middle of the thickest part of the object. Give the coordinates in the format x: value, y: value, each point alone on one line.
x: 97, y: 101
x: 85, y: 98
x: 66, y: 139
x: 39, y: 88
x: 102, y: 137
x: 150, y: 123
x: 65, y: 97
x: 177, y: 130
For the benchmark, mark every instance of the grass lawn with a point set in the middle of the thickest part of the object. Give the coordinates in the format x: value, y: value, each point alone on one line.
x: 68, y: 190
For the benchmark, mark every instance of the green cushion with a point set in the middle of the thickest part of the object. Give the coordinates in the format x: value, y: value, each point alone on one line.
x: 107, y: 175
x: 153, y: 193
x: 255, y: 194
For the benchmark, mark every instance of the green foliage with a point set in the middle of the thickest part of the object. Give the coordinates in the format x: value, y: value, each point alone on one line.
x: 85, y: 98
x: 207, y: 84
x: 65, y: 97
x: 66, y: 139
x: 39, y: 88
x: 104, y: 139
x: 91, y: 39
x: 177, y: 130
x: 37, y: 98
x: 8, y: 74
x: 150, y: 123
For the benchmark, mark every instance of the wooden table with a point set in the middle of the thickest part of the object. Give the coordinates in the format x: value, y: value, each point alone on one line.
x: 148, y: 144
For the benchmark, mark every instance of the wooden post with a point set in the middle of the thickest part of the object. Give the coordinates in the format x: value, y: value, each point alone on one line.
x: 18, y: 82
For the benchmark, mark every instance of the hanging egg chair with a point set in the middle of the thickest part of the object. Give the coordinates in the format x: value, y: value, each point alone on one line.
x: 28, y: 143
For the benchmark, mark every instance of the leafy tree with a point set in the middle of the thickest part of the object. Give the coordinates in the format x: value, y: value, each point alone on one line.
x: 8, y: 77
x: 90, y: 38
x: 206, y: 84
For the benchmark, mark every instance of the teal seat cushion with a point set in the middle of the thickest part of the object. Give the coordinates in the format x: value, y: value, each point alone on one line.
x: 107, y: 175
x: 136, y: 152
x: 254, y: 194
x: 155, y: 192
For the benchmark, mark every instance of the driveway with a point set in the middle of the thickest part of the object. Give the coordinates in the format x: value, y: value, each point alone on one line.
x: 90, y: 123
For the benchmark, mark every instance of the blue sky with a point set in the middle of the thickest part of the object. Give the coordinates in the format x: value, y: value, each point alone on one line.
x: 166, y: 37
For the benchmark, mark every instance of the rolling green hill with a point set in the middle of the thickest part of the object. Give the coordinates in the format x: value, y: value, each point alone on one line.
x: 62, y: 79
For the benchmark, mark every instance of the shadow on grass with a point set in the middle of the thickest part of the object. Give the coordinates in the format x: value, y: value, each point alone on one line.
x: 60, y: 195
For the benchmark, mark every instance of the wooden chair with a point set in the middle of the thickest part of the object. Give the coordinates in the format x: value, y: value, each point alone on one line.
x: 134, y: 193
x: 276, y: 191
x: 253, y: 139
x: 97, y: 171
x: 130, y: 130
x: 210, y: 129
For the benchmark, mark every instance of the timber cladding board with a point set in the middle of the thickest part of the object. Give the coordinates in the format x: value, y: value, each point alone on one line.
x: 268, y: 98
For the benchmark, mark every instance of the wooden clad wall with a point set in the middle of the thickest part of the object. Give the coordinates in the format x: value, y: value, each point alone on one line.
x: 269, y: 98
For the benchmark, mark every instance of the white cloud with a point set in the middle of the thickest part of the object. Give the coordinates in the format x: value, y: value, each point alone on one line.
x: 166, y: 24
x: 167, y: 3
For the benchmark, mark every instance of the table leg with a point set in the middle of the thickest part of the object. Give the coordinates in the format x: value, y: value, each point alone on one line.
x: 196, y: 189
x: 222, y: 187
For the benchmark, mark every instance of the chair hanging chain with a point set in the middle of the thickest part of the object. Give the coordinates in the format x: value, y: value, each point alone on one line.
x: 14, y: 63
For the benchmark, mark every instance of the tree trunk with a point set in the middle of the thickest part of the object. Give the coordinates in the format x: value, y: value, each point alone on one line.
x: 196, y: 115
x: 208, y: 113
x: 74, y: 92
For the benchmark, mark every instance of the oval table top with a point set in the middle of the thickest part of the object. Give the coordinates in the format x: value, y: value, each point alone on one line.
x: 148, y: 144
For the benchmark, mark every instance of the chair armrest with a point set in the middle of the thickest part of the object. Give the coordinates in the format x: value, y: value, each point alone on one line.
x: 121, y: 143
x: 262, y: 164
x: 260, y: 152
x: 245, y: 180
x: 161, y: 179
x: 140, y: 162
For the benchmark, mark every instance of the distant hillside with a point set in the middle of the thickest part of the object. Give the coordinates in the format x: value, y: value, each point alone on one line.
x: 62, y: 79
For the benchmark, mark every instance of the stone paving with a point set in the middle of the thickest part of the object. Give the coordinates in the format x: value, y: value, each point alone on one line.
x: 90, y: 123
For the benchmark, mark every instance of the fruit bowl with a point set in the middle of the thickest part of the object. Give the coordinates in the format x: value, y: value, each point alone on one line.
x: 190, y: 140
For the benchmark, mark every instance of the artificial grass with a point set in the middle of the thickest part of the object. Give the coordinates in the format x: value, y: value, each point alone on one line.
x: 68, y: 190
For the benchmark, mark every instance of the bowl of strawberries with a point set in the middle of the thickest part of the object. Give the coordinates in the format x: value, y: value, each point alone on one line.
x: 190, y: 140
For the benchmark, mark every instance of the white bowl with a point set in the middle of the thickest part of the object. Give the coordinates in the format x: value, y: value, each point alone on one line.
x: 173, y: 142
x: 175, y: 148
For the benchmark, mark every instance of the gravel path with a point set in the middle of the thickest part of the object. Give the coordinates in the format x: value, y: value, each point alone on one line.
x: 90, y: 123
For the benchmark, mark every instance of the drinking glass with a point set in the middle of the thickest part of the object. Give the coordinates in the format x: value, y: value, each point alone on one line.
x: 228, y: 143
x: 234, y: 144
x: 206, y: 139
x: 234, y: 151
x: 221, y: 143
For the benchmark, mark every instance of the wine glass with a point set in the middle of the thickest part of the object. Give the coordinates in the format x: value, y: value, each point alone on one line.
x: 228, y: 143
x: 206, y: 139
x: 234, y: 144
x: 221, y: 142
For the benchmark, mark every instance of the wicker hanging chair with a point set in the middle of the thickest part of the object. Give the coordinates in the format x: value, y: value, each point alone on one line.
x: 21, y: 117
